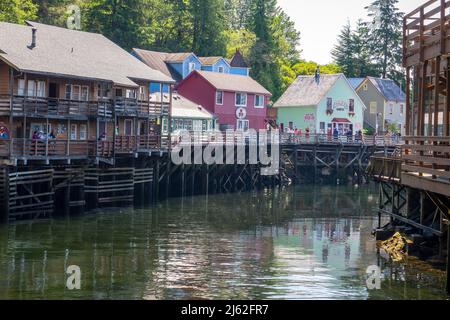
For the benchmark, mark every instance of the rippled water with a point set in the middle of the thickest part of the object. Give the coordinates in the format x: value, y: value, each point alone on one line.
x: 302, y: 243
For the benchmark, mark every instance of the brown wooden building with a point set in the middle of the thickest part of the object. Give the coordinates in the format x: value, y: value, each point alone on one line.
x: 427, y: 61
x: 72, y: 95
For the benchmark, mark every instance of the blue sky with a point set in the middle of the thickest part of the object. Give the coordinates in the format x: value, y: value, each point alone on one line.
x: 320, y: 22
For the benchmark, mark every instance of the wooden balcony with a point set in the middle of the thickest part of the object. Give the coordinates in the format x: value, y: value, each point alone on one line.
x: 426, y: 32
x: 143, y: 109
x: 426, y: 164
x: 133, y: 144
x: 55, y: 108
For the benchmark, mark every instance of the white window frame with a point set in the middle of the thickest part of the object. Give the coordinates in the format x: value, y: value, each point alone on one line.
x: 40, y: 89
x: 83, y: 132
x: 373, y: 104
x: 31, y: 89
x: 366, y: 87
x: 74, y: 87
x: 217, y: 93
x: 221, y: 69
x: 191, y: 67
x: 259, y: 96
x: 21, y: 87
x: 238, y: 121
x: 142, y: 93
x: 73, y: 132
x: 70, y: 92
x: 82, y: 98
x: 235, y: 99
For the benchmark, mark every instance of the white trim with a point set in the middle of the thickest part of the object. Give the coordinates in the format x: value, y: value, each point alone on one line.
x: 83, y: 137
x: 221, y: 68
x: 73, y: 125
x: 263, y: 101
x: 235, y: 98
x: 125, y: 127
x: 219, y: 104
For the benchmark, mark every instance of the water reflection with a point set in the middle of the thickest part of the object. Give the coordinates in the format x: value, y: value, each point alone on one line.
x: 303, y: 243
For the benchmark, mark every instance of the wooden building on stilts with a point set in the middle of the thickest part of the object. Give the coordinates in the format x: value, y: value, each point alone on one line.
x: 415, y: 188
x: 78, y: 126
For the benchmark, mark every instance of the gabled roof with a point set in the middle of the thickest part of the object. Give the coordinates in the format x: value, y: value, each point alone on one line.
x: 71, y: 53
x: 185, y: 108
x: 157, y: 61
x: 238, y: 61
x: 388, y: 88
x: 210, y: 61
x: 178, y: 57
x: 305, y: 91
x: 230, y: 82
x: 356, y: 82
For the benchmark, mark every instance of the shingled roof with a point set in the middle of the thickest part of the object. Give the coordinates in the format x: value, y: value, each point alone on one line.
x: 305, y: 91
x: 71, y: 53
x: 209, y: 61
x: 238, y: 61
x: 231, y: 82
x: 157, y: 61
x: 388, y: 88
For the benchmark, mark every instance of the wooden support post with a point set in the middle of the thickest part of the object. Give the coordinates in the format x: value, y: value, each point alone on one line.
x: 422, y: 100
x: 157, y: 179
x: 447, y: 104
x: 408, y: 102
x: 4, y: 216
x: 448, y: 258
x: 437, y: 68
x: 168, y: 174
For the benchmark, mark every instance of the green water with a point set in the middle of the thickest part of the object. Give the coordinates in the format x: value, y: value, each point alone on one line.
x: 303, y: 243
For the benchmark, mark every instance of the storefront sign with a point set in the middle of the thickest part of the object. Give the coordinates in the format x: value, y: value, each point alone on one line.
x: 310, y: 117
x: 340, y: 105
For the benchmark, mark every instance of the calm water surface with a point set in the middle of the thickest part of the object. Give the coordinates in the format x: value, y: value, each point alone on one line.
x: 303, y: 243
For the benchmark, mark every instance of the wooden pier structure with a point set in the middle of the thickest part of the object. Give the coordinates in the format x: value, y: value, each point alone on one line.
x: 415, y: 185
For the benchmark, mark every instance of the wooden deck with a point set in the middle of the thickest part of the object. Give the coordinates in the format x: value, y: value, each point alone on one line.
x: 426, y: 32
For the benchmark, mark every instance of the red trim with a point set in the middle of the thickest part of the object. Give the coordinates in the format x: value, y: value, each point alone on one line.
x: 341, y: 120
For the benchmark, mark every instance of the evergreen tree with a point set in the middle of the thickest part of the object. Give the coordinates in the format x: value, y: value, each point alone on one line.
x: 17, y: 11
x: 119, y: 20
x: 262, y: 55
x: 363, y: 59
x: 344, y: 52
x: 208, y: 18
x: 385, y: 37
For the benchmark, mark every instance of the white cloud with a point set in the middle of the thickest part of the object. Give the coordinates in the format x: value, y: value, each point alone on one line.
x: 320, y: 22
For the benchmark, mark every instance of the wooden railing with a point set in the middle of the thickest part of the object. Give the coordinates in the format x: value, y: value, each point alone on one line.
x: 425, y: 32
x: 290, y: 138
x: 130, y: 144
x: 427, y: 158
x: 133, y: 107
x: 55, y: 107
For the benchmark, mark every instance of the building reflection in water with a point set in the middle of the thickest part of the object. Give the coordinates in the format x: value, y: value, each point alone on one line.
x: 302, y: 243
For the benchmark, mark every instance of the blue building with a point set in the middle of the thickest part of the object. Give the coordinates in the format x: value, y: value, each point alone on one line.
x: 179, y: 65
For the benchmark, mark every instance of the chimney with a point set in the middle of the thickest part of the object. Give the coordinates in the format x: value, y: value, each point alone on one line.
x: 33, y: 38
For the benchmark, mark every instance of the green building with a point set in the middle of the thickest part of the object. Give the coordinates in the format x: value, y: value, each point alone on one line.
x: 321, y: 104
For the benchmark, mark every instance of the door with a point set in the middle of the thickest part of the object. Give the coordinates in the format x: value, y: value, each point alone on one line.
x: 52, y: 90
x: 128, y: 127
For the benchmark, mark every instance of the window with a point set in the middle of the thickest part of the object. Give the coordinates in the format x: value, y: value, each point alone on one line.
x: 197, y: 125
x: 291, y: 125
x: 322, y: 126
x: 68, y: 92
x: 373, y: 107
x: 73, y: 132
x: 76, y: 93
x: 221, y: 69
x: 191, y: 67
x: 329, y: 104
x: 40, y: 89
x: 102, y: 91
x: 31, y: 88
x: 365, y: 87
x: 118, y: 92
x: 84, y: 95
x: 219, y: 97
x: 165, y: 127
x: 401, y: 109
x: 351, y: 106
x: 259, y: 101
x: 241, y: 99
x: 242, y: 125
x: 128, y: 127
x: 83, y: 132
x: 21, y: 87
x: 391, y: 108
x: 142, y: 93
x: 131, y: 94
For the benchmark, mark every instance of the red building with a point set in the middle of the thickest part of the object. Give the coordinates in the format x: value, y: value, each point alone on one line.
x: 238, y: 102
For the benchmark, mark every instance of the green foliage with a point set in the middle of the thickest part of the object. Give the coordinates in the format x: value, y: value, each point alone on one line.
x: 17, y: 11
x: 385, y: 37
x: 241, y: 39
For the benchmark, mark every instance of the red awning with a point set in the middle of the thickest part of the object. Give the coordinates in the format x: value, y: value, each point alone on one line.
x: 341, y: 120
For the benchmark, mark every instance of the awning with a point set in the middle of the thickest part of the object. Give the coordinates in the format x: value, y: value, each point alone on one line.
x: 340, y: 120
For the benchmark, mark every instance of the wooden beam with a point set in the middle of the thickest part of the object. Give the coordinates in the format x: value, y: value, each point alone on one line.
x: 437, y: 68
x: 408, y: 101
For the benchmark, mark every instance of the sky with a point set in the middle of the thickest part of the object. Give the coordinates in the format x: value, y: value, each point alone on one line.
x: 320, y: 22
